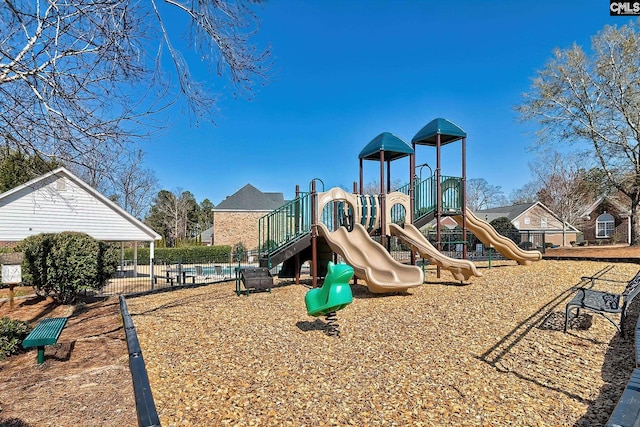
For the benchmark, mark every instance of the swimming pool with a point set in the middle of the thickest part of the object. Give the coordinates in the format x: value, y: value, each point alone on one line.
x: 216, y: 270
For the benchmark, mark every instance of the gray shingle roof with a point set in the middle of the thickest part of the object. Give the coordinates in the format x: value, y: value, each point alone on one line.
x: 249, y: 198
x: 205, y: 236
x: 511, y: 212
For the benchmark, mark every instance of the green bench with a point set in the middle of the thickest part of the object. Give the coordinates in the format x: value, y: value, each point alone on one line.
x: 45, y: 333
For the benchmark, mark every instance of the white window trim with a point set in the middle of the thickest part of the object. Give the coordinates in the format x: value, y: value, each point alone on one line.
x: 605, y: 228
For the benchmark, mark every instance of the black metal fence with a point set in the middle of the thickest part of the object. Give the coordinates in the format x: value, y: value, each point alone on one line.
x: 132, y: 278
x: 452, y: 243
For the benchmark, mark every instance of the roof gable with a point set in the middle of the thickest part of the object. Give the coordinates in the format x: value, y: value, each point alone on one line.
x: 60, y: 201
x: 511, y: 212
x: 249, y: 198
x: 622, y: 211
x: 515, y: 212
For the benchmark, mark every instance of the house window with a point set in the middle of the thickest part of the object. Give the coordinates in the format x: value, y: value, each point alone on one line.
x: 543, y: 222
x: 527, y: 220
x: 605, y: 225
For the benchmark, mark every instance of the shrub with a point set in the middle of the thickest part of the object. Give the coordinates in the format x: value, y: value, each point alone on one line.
x: 213, y: 254
x: 504, y: 226
x: 12, y: 332
x: 526, y: 245
x: 64, y: 264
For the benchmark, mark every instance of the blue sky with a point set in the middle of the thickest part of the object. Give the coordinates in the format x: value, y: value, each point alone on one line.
x: 345, y: 71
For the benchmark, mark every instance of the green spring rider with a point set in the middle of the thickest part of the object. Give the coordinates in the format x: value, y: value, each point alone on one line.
x: 335, y: 294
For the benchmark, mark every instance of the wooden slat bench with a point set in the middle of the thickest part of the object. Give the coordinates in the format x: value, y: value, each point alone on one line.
x: 604, y: 303
x: 46, y: 332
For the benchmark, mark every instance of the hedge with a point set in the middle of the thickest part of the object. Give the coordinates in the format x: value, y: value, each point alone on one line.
x: 221, y: 253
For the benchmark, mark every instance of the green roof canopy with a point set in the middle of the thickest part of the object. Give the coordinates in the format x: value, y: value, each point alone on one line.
x: 448, y: 131
x: 393, y: 147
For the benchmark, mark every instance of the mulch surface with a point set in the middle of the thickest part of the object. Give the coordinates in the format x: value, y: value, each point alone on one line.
x: 85, y: 379
x: 630, y: 253
x: 490, y: 352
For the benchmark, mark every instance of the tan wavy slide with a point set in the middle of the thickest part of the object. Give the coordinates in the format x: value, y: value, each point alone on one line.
x: 490, y: 237
x: 461, y: 269
x: 370, y: 261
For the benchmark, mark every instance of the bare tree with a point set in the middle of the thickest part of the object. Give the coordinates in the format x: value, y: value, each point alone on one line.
x: 170, y: 214
x: 563, y: 186
x: 562, y: 183
x: 526, y: 194
x: 482, y: 195
x: 133, y: 185
x: 79, y: 80
x: 373, y: 187
x: 594, y: 100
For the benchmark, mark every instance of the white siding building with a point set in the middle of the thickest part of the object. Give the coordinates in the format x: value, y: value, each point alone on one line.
x: 60, y: 201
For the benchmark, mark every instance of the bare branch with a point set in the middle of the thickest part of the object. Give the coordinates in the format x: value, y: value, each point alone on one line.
x: 594, y: 99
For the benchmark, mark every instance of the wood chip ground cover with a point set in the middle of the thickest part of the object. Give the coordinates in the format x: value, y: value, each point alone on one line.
x: 491, y: 352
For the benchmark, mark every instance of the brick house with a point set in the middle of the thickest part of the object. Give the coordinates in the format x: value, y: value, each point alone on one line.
x: 235, y: 219
x: 535, y: 218
x: 606, y: 221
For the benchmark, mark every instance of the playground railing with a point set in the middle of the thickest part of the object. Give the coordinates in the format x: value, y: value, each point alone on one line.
x: 425, y: 196
x: 284, y: 225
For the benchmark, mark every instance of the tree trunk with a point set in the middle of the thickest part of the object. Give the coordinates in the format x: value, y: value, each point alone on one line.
x: 633, y: 220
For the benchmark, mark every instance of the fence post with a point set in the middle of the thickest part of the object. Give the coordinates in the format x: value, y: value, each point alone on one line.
x: 179, y: 276
x: 490, y: 249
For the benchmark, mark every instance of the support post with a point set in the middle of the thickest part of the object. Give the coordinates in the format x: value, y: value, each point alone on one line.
x: 122, y: 256
x: 438, y: 200
x: 297, y: 231
x: 361, y: 177
x: 408, y: 218
x: 464, y: 197
x: 11, y: 296
x: 383, y: 216
x: 314, y: 235
x: 152, y: 255
x: 135, y: 259
x: 153, y: 274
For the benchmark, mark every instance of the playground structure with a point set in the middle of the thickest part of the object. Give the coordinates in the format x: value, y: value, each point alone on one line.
x: 317, y: 224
